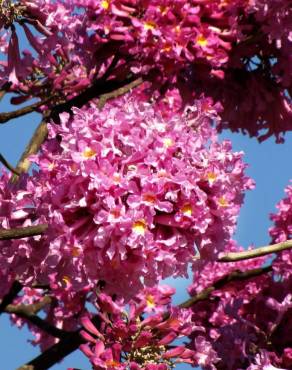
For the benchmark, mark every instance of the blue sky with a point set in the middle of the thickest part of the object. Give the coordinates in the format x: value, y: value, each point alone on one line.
x: 269, y: 165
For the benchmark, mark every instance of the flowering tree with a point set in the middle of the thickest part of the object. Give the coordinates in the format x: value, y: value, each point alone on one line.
x: 133, y: 186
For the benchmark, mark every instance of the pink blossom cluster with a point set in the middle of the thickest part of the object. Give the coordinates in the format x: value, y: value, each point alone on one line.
x: 282, y: 231
x: 130, y: 197
x: 246, y: 321
x: 237, y: 52
x: 141, y: 333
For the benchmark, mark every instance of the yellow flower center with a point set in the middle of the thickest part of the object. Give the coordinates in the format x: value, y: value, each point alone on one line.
x: 150, y: 301
x: 211, y: 177
x: 88, y: 153
x: 116, y: 178
x: 202, y: 41
x: 167, y: 142
x: 105, y: 4
x: 187, y: 210
x: 223, y: 202
x: 66, y: 279
x: 139, y: 227
x: 75, y: 251
x: 150, y: 25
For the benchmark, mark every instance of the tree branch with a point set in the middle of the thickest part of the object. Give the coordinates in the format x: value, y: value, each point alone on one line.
x: 22, y: 232
x: 254, y: 253
x: 55, y: 353
x: 58, y: 351
x: 9, y: 297
x: 33, y: 147
x: 100, y: 87
x: 7, y: 116
x: 8, y: 165
x: 233, y: 276
x: 118, y: 92
x: 28, y: 312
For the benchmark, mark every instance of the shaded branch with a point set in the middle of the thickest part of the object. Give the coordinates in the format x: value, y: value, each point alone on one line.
x: 254, y: 253
x: 233, y: 276
x: 8, y: 165
x: 118, y: 92
x: 100, y: 87
x: 7, y: 116
x: 58, y: 351
x: 22, y: 232
x: 11, y: 295
x: 55, y: 353
x: 29, y: 312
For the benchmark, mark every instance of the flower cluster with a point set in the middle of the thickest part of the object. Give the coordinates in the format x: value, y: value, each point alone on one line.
x: 282, y: 231
x: 137, y: 336
x: 130, y: 197
x: 238, y: 52
x: 247, y: 318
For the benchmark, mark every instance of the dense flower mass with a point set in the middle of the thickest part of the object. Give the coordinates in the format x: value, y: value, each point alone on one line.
x: 247, y: 321
x: 140, y: 341
x: 129, y: 197
x: 237, y: 52
x: 132, y: 185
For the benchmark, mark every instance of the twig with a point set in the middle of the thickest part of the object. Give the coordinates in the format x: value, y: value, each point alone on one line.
x: 8, y: 165
x: 29, y: 312
x: 254, y: 253
x: 26, y: 310
x: 7, y: 116
x: 118, y: 92
x: 233, y: 276
x: 22, y: 232
x: 9, y: 297
x: 33, y: 147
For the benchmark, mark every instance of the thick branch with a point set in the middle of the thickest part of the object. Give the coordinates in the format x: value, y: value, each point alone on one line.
x: 9, y: 297
x: 118, y: 92
x: 254, y: 253
x: 8, y: 165
x: 58, y: 351
x: 55, y: 354
x: 233, y: 276
x: 22, y: 232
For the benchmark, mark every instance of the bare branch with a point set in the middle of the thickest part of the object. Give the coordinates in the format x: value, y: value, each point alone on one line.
x: 8, y: 165
x: 118, y: 92
x: 7, y: 116
x: 22, y: 232
x: 233, y: 276
x: 254, y: 253
x: 33, y: 147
